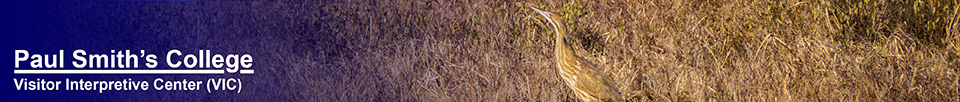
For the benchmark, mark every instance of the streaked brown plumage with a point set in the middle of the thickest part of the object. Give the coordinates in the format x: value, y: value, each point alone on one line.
x: 586, y: 80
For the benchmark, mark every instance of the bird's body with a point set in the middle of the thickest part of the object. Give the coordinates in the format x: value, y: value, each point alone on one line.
x: 588, y: 82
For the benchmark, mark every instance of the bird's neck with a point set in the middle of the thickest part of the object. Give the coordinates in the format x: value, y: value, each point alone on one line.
x: 563, y: 47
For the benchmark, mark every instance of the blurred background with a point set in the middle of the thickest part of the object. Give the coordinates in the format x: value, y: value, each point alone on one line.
x: 477, y: 50
x: 657, y: 50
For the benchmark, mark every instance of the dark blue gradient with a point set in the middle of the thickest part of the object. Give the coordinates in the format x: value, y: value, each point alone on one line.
x: 156, y: 26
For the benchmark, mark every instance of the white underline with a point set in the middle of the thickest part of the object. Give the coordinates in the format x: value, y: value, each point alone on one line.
x: 193, y: 71
x: 246, y: 71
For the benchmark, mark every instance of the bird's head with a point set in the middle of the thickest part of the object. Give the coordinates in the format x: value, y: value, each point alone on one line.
x: 554, y: 20
x: 544, y: 13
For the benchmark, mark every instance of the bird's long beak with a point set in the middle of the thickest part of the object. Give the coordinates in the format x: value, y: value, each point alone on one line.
x: 557, y: 23
x: 547, y: 15
x: 544, y: 13
x: 557, y: 27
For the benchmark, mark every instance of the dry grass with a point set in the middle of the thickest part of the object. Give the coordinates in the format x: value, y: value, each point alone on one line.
x: 659, y: 50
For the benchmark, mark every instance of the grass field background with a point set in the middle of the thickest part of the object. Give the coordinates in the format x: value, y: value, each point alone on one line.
x: 656, y: 50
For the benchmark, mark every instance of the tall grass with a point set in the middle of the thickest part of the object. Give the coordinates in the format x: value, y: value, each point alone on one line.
x: 659, y: 50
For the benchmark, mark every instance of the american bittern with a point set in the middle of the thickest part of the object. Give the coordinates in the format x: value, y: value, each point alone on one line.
x: 586, y: 80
